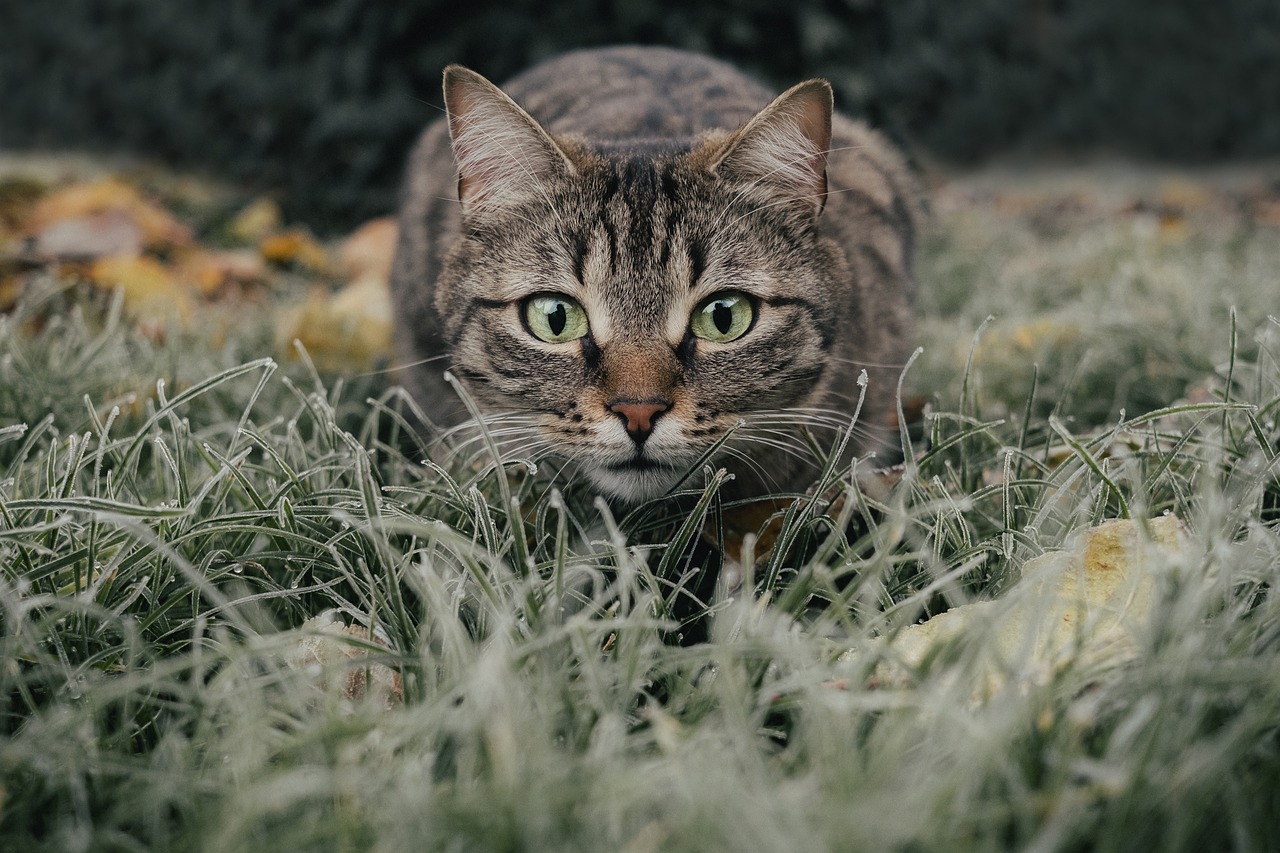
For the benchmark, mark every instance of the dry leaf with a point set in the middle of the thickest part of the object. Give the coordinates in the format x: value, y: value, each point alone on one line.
x: 211, y: 272
x: 17, y: 196
x: 1173, y: 226
x: 1267, y: 213
x: 1087, y: 602
x: 1004, y: 343
x: 83, y: 238
x: 340, y: 666
x: 11, y: 287
x: 295, y: 247
x: 257, y: 221
x: 151, y: 290
x: 1183, y: 195
x: 114, y: 199
x: 351, y: 327
x: 369, y: 250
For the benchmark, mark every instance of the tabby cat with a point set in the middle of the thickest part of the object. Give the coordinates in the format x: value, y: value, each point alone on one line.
x: 633, y: 251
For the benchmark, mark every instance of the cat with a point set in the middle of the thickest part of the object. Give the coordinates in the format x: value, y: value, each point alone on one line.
x: 627, y: 253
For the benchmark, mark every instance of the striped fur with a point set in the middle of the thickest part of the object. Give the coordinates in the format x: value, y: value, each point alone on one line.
x: 642, y: 182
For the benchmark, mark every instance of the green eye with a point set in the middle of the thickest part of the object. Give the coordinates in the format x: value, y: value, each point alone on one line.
x: 723, y: 318
x: 555, y: 319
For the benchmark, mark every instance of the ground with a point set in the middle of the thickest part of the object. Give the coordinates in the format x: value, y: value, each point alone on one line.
x: 213, y: 539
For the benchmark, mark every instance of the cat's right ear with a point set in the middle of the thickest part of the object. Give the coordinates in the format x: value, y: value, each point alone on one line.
x: 503, y: 155
x: 783, y: 150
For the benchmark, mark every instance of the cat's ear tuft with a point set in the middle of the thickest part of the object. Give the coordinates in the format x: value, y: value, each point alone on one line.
x: 782, y: 151
x: 503, y: 155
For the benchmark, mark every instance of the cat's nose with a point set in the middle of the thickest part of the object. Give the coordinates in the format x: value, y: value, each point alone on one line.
x: 639, y: 417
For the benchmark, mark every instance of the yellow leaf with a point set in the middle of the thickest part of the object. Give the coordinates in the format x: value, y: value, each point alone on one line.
x: 295, y: 246
x: 369, y: 249
x: 151, y: 291
x: 1183, y: 195
x: 256, y: 221
x: 1085, y: 602
x: 211, y: 272
x: 156, y: 227
x: 353, y: 327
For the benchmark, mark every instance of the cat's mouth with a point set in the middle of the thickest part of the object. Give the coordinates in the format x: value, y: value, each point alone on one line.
x: 639, y: 463
x: 636, y: 478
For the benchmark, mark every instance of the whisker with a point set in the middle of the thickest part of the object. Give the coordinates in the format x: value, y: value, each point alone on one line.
x: 764, y: 475
x: 394, y: 368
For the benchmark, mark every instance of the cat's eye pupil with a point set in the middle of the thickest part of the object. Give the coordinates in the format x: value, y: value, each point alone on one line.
x: 557, y: 319
x: 722, y: 316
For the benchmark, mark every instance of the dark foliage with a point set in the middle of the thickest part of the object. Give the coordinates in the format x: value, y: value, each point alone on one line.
x: 321, y: 99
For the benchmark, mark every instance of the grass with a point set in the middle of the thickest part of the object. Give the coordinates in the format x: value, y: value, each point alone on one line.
x: 172, y: 513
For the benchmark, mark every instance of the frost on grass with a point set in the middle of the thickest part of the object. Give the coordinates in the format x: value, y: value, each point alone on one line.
x: 171, y: 680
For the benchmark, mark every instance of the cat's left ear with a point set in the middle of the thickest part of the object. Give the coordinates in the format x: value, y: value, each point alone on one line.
x: 503, y: 154
x: 783, y: 149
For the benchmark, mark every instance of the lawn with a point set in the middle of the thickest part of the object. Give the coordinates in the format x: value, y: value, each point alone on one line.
x: 189, y: 512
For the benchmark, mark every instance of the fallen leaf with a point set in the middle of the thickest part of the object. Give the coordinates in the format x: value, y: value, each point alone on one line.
x: 151, y: 290
x: 111, y: 197
x: 11, y: 287
x: 1002, y: 343
x: 1087, y: 602
x: 1183, y: 195
x: 351, y: 327
x: 17, y: 196
x: 211, y: 272
x: 369, y: 250
x: 325, y: 652
x: 1267, y: 213
x: 83, y: 238
x: 295, y: 247
x: 257, y: 221
x: 1174, y: 226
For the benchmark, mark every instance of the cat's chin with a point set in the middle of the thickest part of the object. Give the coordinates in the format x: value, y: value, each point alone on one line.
x: 633, y: 484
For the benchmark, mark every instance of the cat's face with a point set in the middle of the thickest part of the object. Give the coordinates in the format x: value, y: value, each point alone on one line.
x: 627, y: 309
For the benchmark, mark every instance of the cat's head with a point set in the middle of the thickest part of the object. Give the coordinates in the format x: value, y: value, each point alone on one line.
x: 624, y: 306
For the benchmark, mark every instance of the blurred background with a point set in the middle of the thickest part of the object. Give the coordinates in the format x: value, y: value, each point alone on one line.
x: 319, y: 100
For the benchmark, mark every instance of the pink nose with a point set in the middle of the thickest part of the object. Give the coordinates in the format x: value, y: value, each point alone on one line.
x: 639, y: 416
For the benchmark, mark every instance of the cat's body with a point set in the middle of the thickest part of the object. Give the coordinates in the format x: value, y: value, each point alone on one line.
x: 631, y: 276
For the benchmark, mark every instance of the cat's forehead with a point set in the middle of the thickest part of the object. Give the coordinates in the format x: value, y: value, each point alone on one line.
x: 621, y: 151
x: 644, y: 171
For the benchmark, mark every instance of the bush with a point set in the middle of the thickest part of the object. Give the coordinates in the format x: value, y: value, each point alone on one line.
x: 320, y: 100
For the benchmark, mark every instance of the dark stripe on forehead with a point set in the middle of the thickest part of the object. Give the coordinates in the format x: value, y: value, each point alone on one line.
x: 664, y: 260
x: 670, y: 186
x: 697, y: 262
x: 670, y: 190
x: 611, y: 238
x: 578, y: 251
x: 640, y: 191
x: 640, y: 180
